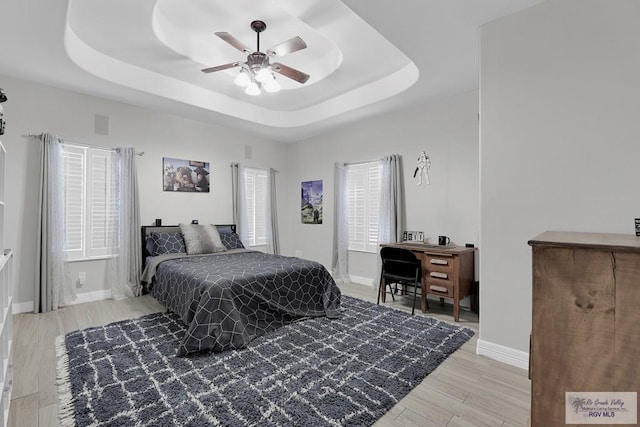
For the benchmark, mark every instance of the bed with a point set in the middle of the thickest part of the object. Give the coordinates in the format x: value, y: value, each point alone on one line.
x: 230, y: 296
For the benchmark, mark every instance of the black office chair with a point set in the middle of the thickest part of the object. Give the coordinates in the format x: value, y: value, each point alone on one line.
x: 400, y: 266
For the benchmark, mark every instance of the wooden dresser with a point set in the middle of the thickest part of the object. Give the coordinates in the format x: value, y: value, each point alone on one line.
x: 586, y: 318
x: 447, y: 272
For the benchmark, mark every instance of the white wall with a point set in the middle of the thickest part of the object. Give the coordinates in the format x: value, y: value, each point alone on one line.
x: 34, y: 108
x: 446, y: 129
x: 560, y: 142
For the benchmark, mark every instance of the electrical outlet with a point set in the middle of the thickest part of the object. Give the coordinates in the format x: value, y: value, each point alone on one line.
x: 82, y: 278
x: 637, y: 222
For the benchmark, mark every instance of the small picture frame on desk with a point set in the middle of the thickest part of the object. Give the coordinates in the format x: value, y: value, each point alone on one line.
x: 413, y: 236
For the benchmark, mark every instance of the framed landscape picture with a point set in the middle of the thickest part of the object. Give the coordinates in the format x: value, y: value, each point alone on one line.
x: 185, y: 175
x: 311, y: 202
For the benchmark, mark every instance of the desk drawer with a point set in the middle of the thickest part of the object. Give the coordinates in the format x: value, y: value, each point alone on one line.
x: 439, y: 276
x: 438, y: 262
x: 444, y: 290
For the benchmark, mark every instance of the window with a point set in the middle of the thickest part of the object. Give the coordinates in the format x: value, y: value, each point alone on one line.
x: 90, y: 208
x: 363, y: 204
x: 256, y: 192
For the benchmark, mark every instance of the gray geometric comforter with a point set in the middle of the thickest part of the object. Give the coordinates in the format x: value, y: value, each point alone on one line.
x: 227, y: 300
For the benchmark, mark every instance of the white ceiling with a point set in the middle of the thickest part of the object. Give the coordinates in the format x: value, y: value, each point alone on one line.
x: 364, y: 57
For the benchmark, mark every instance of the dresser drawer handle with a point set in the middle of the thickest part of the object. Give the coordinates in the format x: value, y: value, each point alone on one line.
x: 439, y: 275
x: 439, y: 261
x: 438, y: 289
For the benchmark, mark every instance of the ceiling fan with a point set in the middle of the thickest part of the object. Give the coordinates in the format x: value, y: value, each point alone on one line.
x: 256, y: 74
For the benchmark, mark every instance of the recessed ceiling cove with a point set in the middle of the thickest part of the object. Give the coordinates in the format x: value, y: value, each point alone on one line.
x: 161, y: 46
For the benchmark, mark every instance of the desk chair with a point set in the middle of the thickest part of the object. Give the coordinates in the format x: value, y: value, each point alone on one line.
x: 400, y: 266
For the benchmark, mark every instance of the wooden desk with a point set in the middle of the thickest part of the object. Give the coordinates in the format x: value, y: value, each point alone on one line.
x: 447, y: 272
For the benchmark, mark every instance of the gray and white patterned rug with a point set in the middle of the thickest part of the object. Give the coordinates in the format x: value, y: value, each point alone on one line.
x: 316, y: 372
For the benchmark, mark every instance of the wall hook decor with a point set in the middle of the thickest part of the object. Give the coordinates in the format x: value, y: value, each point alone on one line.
x: 3, y: 98
x: 424, y: 164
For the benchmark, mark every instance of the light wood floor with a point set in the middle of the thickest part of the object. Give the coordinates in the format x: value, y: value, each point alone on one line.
x: 465, y: 390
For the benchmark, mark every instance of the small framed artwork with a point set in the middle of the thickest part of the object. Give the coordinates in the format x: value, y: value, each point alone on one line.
x: 185, y: 175
x: 311, y: 202
x: 413, y: 236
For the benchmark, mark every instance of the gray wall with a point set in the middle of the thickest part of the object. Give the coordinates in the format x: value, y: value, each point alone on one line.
x: 559, y: 150
x: 446, y: 129
x: 34, y: 108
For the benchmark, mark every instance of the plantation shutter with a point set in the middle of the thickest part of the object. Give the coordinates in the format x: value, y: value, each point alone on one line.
x: 256, y: 181
x: 250, y: 186
x: 74, y: 194
x: 262, y: 177
x: 90, y: 203
x: 356, y: 206
x: 373, y: 206
x: 363, y: 200
x: 102, y: 210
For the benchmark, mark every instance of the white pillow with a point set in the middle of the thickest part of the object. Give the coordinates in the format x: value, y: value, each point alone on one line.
x: 201, y: 239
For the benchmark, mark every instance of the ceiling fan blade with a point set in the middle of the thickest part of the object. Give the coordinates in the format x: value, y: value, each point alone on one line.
x: 233, y: 41
x: 292, y: 73
x: 292, y: 45
x: 221, y: 67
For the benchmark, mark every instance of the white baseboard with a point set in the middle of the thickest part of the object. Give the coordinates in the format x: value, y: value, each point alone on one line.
x: 362, y: 280
x: 508, y: 355
x: 91, y: 296
x: 27, y: 307
x: 22, y: 307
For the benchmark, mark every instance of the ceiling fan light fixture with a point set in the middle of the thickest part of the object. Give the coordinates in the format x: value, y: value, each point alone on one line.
x: 264, y: 75
x: 242, y: 79
x: 272, y: 86
x: 253, y: 89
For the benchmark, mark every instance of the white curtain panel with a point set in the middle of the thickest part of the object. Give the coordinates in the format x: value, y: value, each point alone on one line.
x: 340, y: 264
x: 273, y: 246
x: 53, y: 286
x: 239, y: 202
x: 125, y: 265
x: 390, y: 218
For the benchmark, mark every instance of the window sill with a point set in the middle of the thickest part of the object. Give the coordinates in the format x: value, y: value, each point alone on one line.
x: 362, y: 251
x: 95, y: 258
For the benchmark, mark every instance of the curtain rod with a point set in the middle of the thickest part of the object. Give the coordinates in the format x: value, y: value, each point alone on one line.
x: 252, y: 167
x: 360, y: 163
x: 365, y: 161
x: 39, y: 135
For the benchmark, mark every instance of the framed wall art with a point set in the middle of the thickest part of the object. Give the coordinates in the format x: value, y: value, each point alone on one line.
x: 185, y: 175
x: 311, y: 202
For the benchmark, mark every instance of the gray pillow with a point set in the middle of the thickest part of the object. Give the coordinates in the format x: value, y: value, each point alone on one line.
x: 231, y: 240
x: 201, y: 239
x: 167, y: 243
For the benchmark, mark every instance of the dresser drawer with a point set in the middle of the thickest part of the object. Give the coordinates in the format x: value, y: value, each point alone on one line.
x: 444, y: 290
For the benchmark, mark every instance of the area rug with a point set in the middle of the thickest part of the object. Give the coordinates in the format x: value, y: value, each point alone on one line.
x: 346, y: 371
